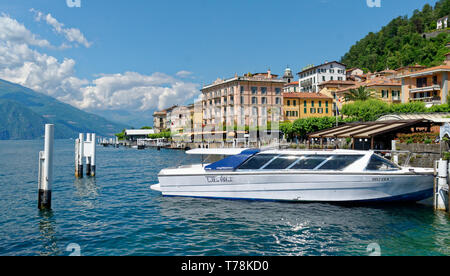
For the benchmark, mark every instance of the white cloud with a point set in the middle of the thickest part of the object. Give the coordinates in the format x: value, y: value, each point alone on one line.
x: 15, y: 32
x: 134, y: 91
x: 184, y: 74
x: 71, y: 34
x: 21, y: 64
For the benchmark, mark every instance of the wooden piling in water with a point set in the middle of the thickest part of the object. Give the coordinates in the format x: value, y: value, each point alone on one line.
x: 46, y: 169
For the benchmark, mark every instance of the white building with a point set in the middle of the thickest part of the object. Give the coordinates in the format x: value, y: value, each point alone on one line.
x: 442, y: 23
x: 135, y: 134
x: 312, y: 76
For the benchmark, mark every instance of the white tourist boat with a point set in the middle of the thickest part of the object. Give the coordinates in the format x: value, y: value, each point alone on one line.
x: 299, y: 176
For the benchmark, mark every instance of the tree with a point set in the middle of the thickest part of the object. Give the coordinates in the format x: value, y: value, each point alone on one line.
x: 360, y: 94
x: 401, y: 42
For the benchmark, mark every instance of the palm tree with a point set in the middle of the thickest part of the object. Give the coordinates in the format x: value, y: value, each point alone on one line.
x: 360, y: 94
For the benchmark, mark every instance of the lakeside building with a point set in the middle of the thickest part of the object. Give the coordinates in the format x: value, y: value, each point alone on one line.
x: 162, y: 119
x: 311, y: 76
x: 291, y: 87
x: 384, y: 88
x: 428, y: 85
x: 135, y: 134
x: 405, y: 70
x: 306, y: 105
x: 249, y: 100
x: 329, y: 89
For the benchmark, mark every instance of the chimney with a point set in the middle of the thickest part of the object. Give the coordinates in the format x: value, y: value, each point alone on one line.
x: 269, y: 74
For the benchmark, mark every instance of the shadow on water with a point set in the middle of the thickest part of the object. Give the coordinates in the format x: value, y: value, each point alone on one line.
x: 47, y: 225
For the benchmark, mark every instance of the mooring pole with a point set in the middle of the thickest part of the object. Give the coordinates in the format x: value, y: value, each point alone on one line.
x: 394, y: 154
x: 88, y: 157
x: 46, y: 169
x: 93, y: 154
x: 442, y: 186
x: 80, y: 155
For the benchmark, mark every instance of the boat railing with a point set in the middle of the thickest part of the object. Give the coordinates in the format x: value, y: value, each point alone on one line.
x: 409, y: 154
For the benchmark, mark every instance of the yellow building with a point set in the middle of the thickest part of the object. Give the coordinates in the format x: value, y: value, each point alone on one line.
x: 385, y: 89
x: 306, y: 105
x: 329, y: 88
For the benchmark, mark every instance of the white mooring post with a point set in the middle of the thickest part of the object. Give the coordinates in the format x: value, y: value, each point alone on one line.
x: 86, y: 149
x: 441, y: 192
x: 46, y: 169
x: 394, y: 154
x: 79, y: 149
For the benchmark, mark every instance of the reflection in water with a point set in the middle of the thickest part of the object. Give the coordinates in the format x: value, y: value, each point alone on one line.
x: 87, y: 190
x: 441, y: 232
x: 300, y: 229
x: 48, y: 234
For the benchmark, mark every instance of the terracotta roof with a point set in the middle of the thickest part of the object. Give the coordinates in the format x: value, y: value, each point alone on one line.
x: 291, y: 83
x: 306, y: 95
x: 431, y: 69
x: 371, y: 83
x: 411, y: 66
x: 326, y: 63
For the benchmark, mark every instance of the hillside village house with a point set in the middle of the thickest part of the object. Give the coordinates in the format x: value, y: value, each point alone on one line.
x: 311, y: 76
x: 405, y: 70
x: 442, y: 23
x: 252, y: 99
x: 429, y: 85
x: 385, y: 89
x: 329, y: 89
x: 306, y: 105
x: 354, y: 72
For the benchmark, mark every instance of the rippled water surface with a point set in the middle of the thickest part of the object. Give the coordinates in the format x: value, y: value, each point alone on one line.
x: 116, y: 213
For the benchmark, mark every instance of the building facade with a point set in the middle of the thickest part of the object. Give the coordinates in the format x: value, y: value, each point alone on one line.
x: 329, y: 89
x: 249, y: 100
x: 306, y: 105
x: 429, y: 85
x: 311, y: 76
x: 442, y: 23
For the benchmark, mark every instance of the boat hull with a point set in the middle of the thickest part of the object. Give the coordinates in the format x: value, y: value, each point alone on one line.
x: 301, y: 187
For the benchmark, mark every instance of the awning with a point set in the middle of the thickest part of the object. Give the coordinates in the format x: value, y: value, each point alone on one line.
x: 368, y: 129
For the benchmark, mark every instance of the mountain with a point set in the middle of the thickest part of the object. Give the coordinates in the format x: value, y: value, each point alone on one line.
x: 134, y: 118
x: 404, y: 41
x: 24, y: 113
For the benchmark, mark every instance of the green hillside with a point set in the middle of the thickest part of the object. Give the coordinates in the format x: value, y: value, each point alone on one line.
x: 402, y: 42
x: 17, y: 121
x: 24, y: 113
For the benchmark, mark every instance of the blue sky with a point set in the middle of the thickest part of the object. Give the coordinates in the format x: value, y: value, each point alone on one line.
x: 207, y: 38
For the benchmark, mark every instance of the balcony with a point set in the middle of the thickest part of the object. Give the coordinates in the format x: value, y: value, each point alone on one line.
x: 435, y: 100
x: 434, y: 87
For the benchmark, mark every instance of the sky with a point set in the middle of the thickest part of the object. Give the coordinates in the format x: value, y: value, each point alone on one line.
x: 125, y: 59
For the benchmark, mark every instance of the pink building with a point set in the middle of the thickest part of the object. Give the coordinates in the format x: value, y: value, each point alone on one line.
x: 249, y: 100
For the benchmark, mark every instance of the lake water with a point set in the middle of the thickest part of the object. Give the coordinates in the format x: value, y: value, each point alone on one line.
x: 116, y: 213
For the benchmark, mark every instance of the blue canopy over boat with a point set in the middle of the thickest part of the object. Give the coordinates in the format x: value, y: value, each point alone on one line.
x: 232, y: 162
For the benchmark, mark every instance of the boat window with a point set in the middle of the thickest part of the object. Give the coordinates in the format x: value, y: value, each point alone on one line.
x: 310, y: 162
x: 377, y: 163
x: 340, y: 162
x: 281, y: 163
x: 257, y: 161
